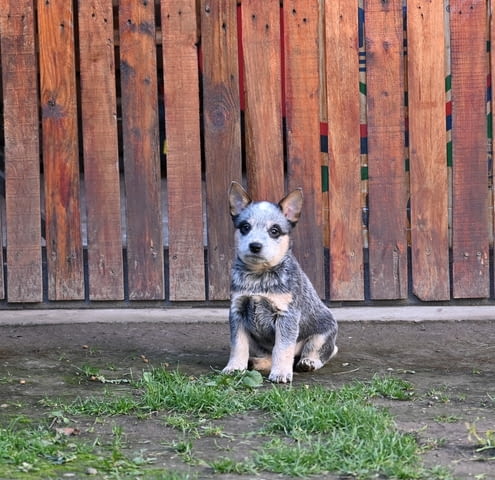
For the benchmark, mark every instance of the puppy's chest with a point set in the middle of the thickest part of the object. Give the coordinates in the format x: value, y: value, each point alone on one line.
x: 261, y: 304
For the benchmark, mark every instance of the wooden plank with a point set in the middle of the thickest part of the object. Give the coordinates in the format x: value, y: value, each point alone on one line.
x: 185, y: 215
x: 343, y: 106
x: 469, y: 64
x: 22, y: 156
x: 387, y: 185
x: 492, y: 115
x: 263, y: 94
x: 302, y: 114
x: 138, y: 75
x: 428, y: 151
x: 222, y: 139
x: 2, y: 282
x: 60, y: 150
x: 100, y: 147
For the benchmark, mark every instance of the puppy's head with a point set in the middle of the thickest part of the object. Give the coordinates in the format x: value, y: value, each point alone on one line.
x: 263, y: 228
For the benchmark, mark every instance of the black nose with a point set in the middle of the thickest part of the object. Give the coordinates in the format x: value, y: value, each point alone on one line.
x: 255, y: 247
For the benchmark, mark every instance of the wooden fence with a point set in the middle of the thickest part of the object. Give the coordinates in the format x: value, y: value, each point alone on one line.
x: 124, y: 122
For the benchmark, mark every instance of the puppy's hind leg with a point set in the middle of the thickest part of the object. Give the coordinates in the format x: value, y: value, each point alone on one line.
x: 261, y: 364
x: 316, y: 352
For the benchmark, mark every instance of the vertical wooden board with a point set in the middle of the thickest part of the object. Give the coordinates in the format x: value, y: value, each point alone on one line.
x: 100, y: 147
x: 387, y: 184
x: 492, y: 114
x: 60, y: 150
x: 469, y: 64
x: 302, y: 102
x: 428, y: 150
x: 21, y: 131
x: 185, y: 214
x: 263, y: 96
x: 343, y: 106
x: 138, y: 75
x: 222, y: 140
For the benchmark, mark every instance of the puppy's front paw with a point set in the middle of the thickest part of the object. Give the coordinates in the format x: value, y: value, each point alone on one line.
x: 308, y: 365
x: 280, y: 376
x: 231, y: 368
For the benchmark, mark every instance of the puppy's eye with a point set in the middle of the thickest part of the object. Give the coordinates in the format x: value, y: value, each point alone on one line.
x: 244, y: 228
x: 275, y: 231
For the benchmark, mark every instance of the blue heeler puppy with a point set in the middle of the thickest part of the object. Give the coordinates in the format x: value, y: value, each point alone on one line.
x: 276, y: 316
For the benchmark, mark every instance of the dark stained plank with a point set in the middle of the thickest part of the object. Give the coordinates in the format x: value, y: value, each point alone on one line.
x: 263, y: 113
x: 302, y: 106
x: 469, y: 66
x: 387, y: 183
x: 60, y: 150
x: 427, y: 150
x: 138, y: 76
x: 185, y: 214
x: 100, y: 147
x: 343, y: 107
x: 222, y: 139
x: 22, y: 156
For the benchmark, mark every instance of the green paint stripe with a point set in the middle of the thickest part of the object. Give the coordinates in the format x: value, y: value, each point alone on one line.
x: 324, y: 178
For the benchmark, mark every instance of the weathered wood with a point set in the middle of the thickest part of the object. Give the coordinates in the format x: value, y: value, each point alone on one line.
x: 21, y: 133
x: 343, y: 107
x: 101, y: 153
x: 469, y: 65
x: 185, y: 213
x: 303, y: 131
x: 263, y: 113
x: 60, y: 150
x: 138, y: 75
x: 427, y: 150
x: 387, y: 185
x: 222, y: 139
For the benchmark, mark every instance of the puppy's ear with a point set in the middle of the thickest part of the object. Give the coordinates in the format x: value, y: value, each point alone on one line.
x: 291, y: 205
x: 238, y: 199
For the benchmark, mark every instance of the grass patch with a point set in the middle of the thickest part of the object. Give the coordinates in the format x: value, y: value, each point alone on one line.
x: 307, y: 430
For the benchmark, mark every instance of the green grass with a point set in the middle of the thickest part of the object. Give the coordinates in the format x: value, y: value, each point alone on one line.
x: 306, y: 430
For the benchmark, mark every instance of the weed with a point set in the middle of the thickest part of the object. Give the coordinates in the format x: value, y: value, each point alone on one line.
x: 438, y: 395
x: 447, y: 419
x: 484, y: 442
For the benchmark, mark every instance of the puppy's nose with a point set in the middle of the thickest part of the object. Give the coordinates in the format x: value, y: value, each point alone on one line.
x: 255, y: 247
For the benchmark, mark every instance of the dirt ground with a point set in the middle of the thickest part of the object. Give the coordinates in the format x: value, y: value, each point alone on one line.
x: 450, y: 364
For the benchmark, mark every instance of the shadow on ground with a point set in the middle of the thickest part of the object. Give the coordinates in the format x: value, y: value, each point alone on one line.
x: 450, y: 364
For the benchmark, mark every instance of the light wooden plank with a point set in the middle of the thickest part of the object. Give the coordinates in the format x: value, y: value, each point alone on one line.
x: 100, y: 147
x: 22, y: 156
x: 139, y: 85
x: 387, y: 181
x: 185, y: 214
x: 263, y: 97
x: 469, y: 65
x: 60, y: 150
x: 222, y: 139
x: 343, y: 106
x: 428, y: 150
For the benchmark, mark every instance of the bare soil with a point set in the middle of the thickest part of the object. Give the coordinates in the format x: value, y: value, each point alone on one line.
x: 450, y: 364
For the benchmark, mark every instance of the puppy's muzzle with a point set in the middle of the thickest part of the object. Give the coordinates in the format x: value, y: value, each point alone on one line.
x: 255, y: 247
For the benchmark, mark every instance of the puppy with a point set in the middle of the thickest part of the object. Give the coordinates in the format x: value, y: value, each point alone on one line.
x: 275, y: 313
